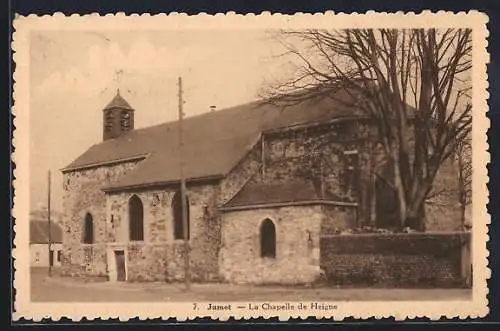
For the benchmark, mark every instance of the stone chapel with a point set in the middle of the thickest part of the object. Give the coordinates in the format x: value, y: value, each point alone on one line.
x: 263, y: 184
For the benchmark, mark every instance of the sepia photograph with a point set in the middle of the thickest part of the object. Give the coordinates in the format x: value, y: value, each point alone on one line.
x: 261, y: 170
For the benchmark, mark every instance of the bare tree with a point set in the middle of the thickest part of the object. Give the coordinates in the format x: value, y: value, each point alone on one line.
x: 384, y: 70
x: 464, y: 158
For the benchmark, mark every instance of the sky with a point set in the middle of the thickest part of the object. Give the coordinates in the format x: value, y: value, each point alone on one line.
x: 74, y: 74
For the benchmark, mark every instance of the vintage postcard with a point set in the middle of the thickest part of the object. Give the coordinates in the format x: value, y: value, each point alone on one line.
x: 239, y: 166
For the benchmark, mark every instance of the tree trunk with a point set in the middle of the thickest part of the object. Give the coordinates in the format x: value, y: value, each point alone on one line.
x: 365, y: 188
x: 462, y: 214
x: 416, y: 220
x: 415, y: 217
x: 400, y: 190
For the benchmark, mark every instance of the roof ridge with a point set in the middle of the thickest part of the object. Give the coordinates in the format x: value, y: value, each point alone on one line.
x: 195, y: 116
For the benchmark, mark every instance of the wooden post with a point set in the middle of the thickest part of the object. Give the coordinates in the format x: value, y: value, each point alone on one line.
x: 187, y: 266
x: 49, y: 225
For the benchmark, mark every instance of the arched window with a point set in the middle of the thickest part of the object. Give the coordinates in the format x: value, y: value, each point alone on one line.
x: 88, y: 229
x: 177, y: 216
x: 136, y: 218
x: 268, y: 239
x: 125, y: 120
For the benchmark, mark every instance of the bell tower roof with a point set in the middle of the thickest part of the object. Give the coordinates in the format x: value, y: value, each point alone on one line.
x: 118, y: 117
x: 118, y: 102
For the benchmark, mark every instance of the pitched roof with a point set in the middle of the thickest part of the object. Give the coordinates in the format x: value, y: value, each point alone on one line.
x: 213, y: 142
x: 272, y: 193
x: 39, y: 232
x: 118, y: 102
x: 42, y: 214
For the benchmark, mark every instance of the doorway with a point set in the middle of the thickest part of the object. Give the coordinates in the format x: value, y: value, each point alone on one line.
x: 51, y: 258
x: 121, y: 275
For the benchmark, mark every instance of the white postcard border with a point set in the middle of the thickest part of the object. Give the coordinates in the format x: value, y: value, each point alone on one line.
x: 24, y: 308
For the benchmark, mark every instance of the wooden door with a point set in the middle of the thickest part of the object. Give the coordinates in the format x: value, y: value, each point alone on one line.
x: 51, y: 258
x: 120, y: 266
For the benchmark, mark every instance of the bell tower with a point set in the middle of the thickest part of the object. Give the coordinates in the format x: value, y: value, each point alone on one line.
x: 118, y: 117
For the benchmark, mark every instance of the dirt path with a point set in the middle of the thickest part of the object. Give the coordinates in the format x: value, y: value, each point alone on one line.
x: 71, y: 290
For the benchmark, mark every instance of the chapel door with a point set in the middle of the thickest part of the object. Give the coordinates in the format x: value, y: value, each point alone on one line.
x: 120, y: 266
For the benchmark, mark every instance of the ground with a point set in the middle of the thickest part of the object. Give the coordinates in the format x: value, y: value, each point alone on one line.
x: 55, y: 288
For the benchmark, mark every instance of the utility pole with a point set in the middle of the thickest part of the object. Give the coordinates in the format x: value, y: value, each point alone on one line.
x: 187, y: 267
x: 49, y: 225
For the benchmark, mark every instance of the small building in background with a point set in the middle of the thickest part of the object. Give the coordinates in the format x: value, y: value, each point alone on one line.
x: 39, y: 244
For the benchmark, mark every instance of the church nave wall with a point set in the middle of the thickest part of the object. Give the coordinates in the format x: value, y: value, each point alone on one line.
x: 83, y: 197
x: 160, y: 256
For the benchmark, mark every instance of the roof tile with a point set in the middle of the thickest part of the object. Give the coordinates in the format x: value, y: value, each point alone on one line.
x: 39, y: 232
x: 269, y: 193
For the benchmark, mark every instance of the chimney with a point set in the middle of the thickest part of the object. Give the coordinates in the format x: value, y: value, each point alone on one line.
x: 213, y: 108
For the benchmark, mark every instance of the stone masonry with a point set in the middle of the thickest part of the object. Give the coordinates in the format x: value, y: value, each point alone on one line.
x: 298, y: 232
x: 160, y: 257
x: 397, y: 260
x: 82, y: 195
x: 297, y: 257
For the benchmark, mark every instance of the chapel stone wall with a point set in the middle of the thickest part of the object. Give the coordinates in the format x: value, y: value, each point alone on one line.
x: 82, y: 195
x: 160, y: 256
x: 248, y: 168
x: 318, y: 154
x: 297, y: 246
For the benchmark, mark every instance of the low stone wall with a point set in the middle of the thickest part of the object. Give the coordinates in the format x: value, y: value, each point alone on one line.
x: 397, y: 260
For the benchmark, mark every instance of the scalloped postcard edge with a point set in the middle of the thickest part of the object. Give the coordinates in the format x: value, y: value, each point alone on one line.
x: 400, y: 310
